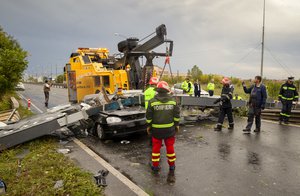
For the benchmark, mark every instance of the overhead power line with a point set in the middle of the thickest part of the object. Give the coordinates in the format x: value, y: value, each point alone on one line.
x: 284, y: 67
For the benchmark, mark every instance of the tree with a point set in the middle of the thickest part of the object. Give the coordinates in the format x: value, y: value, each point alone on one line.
x: 196, y: 73
x: 59, y: 78
x: 12, y: 62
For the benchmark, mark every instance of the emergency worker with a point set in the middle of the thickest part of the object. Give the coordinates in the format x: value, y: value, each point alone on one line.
x: 163, y: 116
x: 211, y: 88
x: 187, y: 87
x: 150, y: 91
x: 257, y: 101
x: 225, y: 105
x: 288, y: 93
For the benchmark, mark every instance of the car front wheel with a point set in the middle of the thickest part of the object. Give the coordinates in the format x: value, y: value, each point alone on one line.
x: 100, y: 132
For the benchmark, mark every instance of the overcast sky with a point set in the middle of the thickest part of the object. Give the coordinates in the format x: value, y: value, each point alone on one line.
x: 220, y: 36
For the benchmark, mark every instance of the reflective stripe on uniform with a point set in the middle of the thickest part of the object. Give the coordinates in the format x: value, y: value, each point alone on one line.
x: 176, y: 119
x: 226, y: 96
x: 171, y: 155
x: 172, y: 160
x: 285, y: 98
x: 148, y: 121
x: 160, y: 103
x: 283, y: 114
x: 155, y: 154
x: 285, y: 87
x: 155, y: 160
x: 291, y: 88
x: 163, y: 125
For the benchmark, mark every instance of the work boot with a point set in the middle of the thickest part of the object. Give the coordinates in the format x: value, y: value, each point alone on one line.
x: 231, y: 126
x: 280, y: 122
x: 286, y: 122
x: 257, y: 130
x: 218, y: 128
x: 155, y: 170
x: 246, y: 130
x: 171, y: 176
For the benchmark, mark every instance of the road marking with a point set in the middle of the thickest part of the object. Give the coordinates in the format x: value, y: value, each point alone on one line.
x: 136, y: 189
x: 38, y: 109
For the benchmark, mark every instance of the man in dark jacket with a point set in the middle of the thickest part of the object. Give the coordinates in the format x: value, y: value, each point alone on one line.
x: 163, y: 121
x: 197, y: 89
x: 225, y: 105
x: 288, y: 93
x: 257, y: 101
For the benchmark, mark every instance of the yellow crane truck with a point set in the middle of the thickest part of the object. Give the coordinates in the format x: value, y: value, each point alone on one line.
x: 93, y: 70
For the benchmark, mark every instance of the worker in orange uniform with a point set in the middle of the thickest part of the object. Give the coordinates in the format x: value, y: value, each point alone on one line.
x: 163, y: 116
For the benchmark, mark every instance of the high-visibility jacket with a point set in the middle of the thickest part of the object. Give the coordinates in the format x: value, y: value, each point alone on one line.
x: 149, y: 94
x: 288, y: 92
x: 211, y: 86
x: 162, y: 115
x: 237, y: 98
x: 188, y: 87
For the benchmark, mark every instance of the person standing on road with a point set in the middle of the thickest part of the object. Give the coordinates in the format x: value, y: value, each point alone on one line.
x: 150, y: 92
x: 187, y: 87
x: 288, y: 93
x: 197, y: 89
x: 257, y: 101
x: 163, y: 116
x: 225, y: 105
x: 211, y: 88
x: 46, y: 92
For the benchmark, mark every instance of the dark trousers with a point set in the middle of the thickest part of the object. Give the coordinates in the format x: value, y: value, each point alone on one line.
x: 286, y: 110
x: 46, y: 98
x: 197, y: 93
x: 211, y: 93
x: 254, y: 112
x: 223, y: 113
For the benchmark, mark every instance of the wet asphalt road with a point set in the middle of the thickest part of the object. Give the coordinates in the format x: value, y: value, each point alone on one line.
x: 209, y: 162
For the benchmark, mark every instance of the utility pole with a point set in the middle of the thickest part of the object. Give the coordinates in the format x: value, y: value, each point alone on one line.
x: 263, y: 42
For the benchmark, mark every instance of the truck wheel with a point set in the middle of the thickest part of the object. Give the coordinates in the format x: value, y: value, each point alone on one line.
x: 100, y: 132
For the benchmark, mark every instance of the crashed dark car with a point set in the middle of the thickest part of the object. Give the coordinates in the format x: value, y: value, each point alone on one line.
x: 118, y: 118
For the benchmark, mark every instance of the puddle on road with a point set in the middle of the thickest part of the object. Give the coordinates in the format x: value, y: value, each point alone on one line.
x: 224, y: 151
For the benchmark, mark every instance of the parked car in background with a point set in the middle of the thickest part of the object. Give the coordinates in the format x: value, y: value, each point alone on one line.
x: 20, y: 87
x: 178, y: 90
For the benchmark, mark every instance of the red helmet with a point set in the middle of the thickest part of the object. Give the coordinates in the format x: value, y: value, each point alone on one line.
x: 153, y: 80
x: 225, y: 81
x: 162, y: 85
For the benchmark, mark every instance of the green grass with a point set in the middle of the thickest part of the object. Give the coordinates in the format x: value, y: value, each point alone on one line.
x: 41, y: 168
x: 5, y: 104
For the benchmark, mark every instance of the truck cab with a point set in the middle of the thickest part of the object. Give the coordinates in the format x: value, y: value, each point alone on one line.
x: 90, y: 70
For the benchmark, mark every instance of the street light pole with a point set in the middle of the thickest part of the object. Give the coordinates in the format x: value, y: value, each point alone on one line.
x: 120, y: 35
x: 263, y: 41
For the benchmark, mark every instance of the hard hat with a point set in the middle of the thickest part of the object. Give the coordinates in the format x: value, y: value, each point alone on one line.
x: 225, y: 81
x: 164, y: 86
x: 291, y: 78
x: 153, y: 80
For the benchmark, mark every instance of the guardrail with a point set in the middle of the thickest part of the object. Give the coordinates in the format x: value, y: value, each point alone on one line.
x: 273, y: 114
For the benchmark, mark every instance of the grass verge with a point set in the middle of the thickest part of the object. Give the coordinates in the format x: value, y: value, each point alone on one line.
x: 5, y: 104
x: 41, y: 167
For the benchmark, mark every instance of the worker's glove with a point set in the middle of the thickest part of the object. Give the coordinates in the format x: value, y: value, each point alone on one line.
x: 177, y: 129
x: 217, y: 101
x: 149, y: 130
